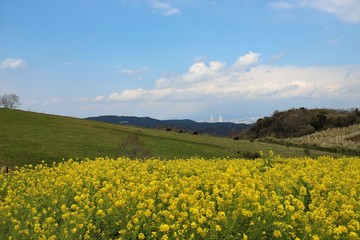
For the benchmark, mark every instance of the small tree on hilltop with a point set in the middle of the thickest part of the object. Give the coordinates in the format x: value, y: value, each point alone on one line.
x: 10, y: 101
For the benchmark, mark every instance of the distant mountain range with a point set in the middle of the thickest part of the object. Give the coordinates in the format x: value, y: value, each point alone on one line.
x: 217, y: 129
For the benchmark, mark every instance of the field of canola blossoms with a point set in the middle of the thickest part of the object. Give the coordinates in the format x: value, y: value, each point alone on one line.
x: 269, y: 198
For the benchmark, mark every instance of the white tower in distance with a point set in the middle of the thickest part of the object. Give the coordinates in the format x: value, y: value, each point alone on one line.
x: 211, y: 118
x: 220, y: 118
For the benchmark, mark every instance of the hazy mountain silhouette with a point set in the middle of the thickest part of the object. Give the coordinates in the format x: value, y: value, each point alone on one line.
x: 184, y: 125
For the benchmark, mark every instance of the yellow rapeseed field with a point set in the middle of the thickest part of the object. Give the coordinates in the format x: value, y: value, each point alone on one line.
x: 267, y: 198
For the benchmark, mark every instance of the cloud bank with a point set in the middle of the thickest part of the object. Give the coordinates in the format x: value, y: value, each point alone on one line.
x: 206, y: 84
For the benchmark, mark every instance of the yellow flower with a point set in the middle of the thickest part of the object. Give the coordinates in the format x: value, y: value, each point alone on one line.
x: 277, y: 234
x: 246, y: 213
x: 37, y: 227
x: 193, y: 225
x: 201, y: 231
x: 63, y: 208
x: 353, y: 192
x: 218, y: 228
x: 100, y: 213
x: 77, y: 199
x: 135, y: 220
x: 164, y: 228
x: 303, y: 191
x: 33, y: 210
x: 74, y: 207
x: 209, y: 213
x: 147, y: 213
x: 221, y: 216
x: 353, y: 235
x: 340, y: 230
x: 199, y: 198
x: 353, y: 225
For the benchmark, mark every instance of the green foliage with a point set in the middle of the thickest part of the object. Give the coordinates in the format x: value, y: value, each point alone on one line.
x: 304, y: 189
x: 268, y: 160
x: 249, y: 155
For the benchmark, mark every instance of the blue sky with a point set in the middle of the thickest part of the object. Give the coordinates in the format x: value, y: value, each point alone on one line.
x: 180, y: 58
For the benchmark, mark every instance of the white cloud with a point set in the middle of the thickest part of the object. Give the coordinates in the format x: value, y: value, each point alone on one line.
x: 131, y: 72
x: 11, y: 63
x: 198, y: 72
x: 82, y: 99
x: 281, y: 5
x: 345, y: 10
x: 142, y: 94
x: 287, y: 82
x: 165, y: 8
x: 99, y: 98
x: 128, y: 71
x: 205, y: 87
x: 53, y: 101
x: 129, y: 95
x: 257, y: 82
x: 276, y: 57
x: 335, y: 41
x: 247, y: 60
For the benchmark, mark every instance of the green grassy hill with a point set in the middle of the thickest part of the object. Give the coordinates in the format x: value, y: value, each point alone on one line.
x: 28, y: 137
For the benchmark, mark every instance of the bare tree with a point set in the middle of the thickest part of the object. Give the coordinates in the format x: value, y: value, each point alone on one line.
x: 10, y: 101
x: 133, y: 147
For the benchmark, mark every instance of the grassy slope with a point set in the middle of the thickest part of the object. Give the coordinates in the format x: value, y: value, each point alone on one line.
x: 27, y: 137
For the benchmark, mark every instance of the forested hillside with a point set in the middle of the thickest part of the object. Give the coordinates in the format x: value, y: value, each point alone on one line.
x: 301, y: 122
